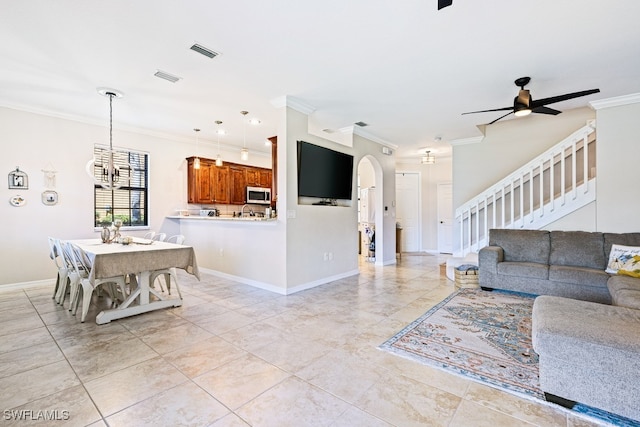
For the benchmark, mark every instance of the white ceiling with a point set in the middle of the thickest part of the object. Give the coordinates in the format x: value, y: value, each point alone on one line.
x: 403, y: 67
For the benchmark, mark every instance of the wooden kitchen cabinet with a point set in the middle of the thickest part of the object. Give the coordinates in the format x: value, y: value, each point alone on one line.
x: 200, y: 181
x: 225, y: 184
x: 258, y: 177
x: 221, y: 184
x: 237, y: 185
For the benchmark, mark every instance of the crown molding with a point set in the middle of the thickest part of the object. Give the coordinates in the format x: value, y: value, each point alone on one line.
x: 358, y: 131
x: 125, y: 128
x: 294, y: 103
x: 617, y: 101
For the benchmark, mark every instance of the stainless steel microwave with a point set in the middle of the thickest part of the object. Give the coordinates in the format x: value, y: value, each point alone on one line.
x: 259, y: 195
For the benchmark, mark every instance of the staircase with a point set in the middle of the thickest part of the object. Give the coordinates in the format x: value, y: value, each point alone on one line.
x: 554, y: 184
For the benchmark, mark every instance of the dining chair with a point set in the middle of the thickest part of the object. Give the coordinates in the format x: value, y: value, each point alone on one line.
x: 61, y: 281
x: 176, y: 238
x: 168, y: 273
x: 81, y: 282
x: 150, y: 235
x: 159, y: 237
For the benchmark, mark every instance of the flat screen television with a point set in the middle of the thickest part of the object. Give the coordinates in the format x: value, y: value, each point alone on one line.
x: 324, y: 173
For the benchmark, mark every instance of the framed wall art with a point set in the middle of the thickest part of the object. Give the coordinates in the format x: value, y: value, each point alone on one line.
x: 18, y: 180
x: 49, y: 197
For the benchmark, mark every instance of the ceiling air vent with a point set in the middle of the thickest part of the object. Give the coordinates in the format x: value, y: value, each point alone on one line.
x: 204, y: 51
x: 166, y: 76
x: 361, y: 124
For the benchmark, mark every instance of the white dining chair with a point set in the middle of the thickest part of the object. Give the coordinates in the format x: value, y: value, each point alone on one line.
x: 59, y: 262
x: 176, y: 238
x: 168, y: 273
x: 81, y: 282
x: 150, y: 235
x: 159, y: 237
x: 62, y: 281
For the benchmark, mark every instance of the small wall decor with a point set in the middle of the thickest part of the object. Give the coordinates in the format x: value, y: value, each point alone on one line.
x: 17, y: 201
x: 18, y: 179
x: 49, y: 197
x: 49, y: 176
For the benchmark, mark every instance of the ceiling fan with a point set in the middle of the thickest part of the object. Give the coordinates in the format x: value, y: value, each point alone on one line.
x: 523, y: 104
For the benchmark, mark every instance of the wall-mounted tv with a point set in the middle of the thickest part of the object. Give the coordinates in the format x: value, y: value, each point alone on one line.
x: 324, y: 173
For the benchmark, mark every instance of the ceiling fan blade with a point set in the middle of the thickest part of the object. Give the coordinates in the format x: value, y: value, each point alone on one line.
x: 546, y: 110
x: 501, y: 117
x: 559, y: 98
x: 489, y: 111
x: 444, y: 3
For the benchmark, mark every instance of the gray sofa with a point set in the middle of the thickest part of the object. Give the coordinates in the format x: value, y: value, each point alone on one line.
x: 562, y: 263
x: 586, y: 322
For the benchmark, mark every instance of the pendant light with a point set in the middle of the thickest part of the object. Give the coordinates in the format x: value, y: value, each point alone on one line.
x: 110, y: 177
x: 244, y: 153
x: 218, y: 158
x: 196, y: 161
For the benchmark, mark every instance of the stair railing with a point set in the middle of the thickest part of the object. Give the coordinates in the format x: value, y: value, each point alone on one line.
x: 552, y: 185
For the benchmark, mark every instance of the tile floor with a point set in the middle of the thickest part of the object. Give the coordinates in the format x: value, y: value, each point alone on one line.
x: 234, y: 355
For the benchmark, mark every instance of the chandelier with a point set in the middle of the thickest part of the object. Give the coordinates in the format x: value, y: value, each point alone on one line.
x: 110, y: 177
x: 428, y: 158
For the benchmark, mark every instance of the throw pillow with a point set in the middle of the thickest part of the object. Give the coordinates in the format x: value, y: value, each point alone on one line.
x: 631, y: 267
x: 619, y: 255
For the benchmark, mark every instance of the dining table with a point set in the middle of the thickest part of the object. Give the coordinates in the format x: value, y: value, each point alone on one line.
x: 138, y: 260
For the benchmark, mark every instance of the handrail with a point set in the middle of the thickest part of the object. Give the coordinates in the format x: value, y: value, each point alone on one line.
x: 550, y: 192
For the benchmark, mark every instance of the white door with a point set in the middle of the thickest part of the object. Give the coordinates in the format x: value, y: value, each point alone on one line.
x: 445, y: 218
x: 408, y: 209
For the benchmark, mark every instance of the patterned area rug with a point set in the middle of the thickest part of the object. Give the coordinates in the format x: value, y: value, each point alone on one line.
x: 485, y: 336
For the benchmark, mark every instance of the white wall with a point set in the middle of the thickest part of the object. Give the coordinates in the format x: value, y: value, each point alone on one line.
x: 618, y: 152
x: 312, y: 231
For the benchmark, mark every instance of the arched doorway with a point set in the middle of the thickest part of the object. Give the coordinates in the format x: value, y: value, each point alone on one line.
x: 370, y: 207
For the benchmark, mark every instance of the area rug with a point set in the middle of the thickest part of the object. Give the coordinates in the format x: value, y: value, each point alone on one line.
x: 484, y: 336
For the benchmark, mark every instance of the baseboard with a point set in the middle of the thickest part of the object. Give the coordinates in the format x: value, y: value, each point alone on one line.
x: 277, y: 289
x: 27, y: 285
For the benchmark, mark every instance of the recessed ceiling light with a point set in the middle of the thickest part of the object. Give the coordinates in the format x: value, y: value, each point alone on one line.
x: 166, y: 76
x: 254, y: 122
x: 204, y: 51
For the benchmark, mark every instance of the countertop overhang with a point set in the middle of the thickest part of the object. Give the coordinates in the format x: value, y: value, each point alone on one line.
x: 223, y: 218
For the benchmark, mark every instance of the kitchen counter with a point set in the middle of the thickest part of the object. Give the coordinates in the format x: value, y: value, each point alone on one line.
x: 225, y: 218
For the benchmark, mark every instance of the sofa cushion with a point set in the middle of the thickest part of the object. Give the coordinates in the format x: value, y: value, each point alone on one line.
x: 626, y: 239
x: 524, y: 269
x: 577, y: 249
x: 619, y: 255
x: 522, y: 245
x: 578, y: 275
x: 631, y: 267
x: 625, y: 291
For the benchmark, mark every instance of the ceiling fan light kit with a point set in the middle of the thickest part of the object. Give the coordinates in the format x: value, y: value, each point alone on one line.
x: 523, y: 104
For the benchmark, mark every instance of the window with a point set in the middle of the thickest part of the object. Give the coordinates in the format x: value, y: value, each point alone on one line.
x: 128, y: 203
